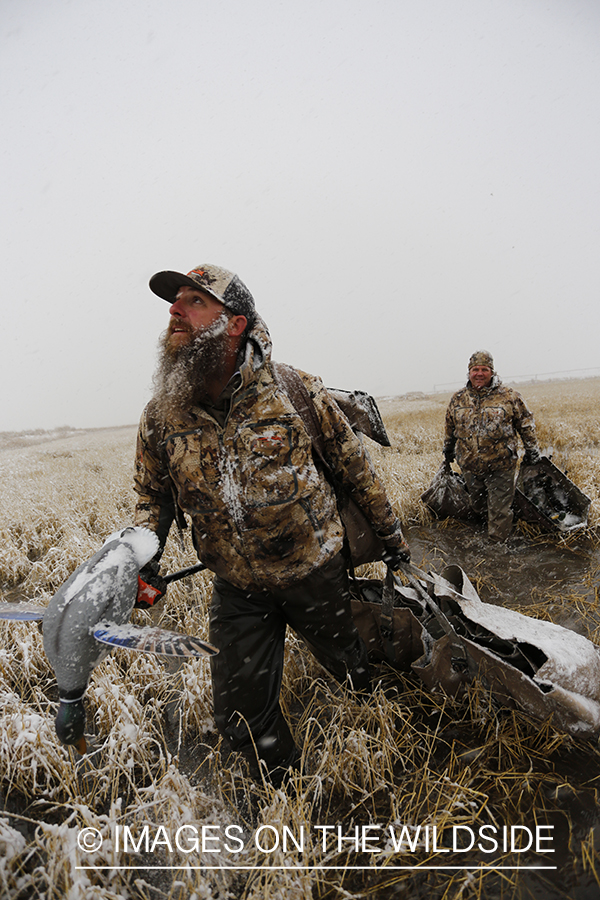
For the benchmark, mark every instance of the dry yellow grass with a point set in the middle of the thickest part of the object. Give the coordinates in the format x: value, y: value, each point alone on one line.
x: 404, y: 757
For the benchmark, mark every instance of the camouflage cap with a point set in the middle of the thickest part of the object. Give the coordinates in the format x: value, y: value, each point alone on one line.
x: 482, y: 358
x: 224, y: 286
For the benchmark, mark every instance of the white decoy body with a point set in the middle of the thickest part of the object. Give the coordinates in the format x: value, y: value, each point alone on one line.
x: 89, y: 615
x: 102, y: 589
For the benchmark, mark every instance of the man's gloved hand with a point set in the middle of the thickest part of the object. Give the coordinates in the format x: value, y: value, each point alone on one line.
x: 396, y: 556
x: 151, y: 586
x: 531, y: 457
x: 449, y: 449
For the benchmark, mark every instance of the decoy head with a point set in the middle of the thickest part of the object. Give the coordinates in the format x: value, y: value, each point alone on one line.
x: 70, y: 723
x: 143, y: 543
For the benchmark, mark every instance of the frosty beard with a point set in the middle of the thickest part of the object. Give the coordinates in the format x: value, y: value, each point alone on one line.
x: 184, y: 373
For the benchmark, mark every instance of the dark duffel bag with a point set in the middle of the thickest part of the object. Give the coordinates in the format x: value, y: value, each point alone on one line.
x: 447, y: 495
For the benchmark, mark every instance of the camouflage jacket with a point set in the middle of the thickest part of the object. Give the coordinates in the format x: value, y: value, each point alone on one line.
x: 482, y: 427
x: 263, y: 514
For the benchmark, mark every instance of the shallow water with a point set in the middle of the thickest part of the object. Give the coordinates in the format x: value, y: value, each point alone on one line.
x: 525, y: 570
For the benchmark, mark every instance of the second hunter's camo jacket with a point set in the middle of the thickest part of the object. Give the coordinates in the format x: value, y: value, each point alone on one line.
x: 263, y: 515
x: 482, y: 427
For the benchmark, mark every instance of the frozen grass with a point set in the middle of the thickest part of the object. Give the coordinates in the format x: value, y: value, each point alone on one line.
x: 404, y: 757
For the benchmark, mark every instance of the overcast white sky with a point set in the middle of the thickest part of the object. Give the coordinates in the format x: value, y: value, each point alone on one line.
x: 399, y: 183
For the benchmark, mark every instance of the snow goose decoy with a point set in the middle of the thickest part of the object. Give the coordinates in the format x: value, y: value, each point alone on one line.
x: 89, y: 614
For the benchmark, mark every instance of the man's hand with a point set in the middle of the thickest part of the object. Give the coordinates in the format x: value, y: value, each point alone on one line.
x: 448, y: 451
x: 151, y: 586
x: 397, y: 556
x: 531, y: 457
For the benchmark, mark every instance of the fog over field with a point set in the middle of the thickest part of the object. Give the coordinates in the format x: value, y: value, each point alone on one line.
x: 398, y: 183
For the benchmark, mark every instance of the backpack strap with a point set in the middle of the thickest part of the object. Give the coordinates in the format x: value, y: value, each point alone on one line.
x: 303, y: 404
x: 360, y: 540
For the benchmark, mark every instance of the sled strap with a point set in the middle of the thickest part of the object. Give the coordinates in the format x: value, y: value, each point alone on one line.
x: 386, y: 622
x: 460, y: 656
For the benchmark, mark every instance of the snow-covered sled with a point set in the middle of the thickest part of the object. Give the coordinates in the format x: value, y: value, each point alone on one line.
x: 545, y: 496
x: 439, y: 628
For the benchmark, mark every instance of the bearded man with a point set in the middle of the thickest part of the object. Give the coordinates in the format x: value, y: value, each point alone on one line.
x: 482, y: 423
x: 222, y: 442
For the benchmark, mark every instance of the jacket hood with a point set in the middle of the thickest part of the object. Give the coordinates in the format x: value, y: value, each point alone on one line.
x: 256, y: 352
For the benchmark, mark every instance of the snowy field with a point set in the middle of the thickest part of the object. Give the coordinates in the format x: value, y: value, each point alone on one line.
x: 159, y: 810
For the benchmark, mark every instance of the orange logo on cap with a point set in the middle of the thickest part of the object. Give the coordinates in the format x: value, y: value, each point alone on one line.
x: 197, y: 272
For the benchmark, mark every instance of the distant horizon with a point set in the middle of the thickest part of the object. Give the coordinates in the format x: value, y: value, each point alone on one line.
x: 407, y: 395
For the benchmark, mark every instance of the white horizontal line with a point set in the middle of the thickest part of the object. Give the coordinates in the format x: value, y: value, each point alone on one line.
x: 321, y: 868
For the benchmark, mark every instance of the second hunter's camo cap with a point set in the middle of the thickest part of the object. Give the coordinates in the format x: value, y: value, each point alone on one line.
x: 482, y: 358
x: 224, y: 286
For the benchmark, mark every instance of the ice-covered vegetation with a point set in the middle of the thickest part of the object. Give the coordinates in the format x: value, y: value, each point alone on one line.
x: 404, y: 757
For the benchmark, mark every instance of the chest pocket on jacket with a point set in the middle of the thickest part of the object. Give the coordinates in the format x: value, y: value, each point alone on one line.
x: 194, y: 467
x: 495, y: 423
x: 463, y: 420
x: 275, y: 463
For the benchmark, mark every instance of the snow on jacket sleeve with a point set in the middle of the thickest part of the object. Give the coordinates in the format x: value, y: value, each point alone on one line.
x: 524, y: 423
x: 155, y: 507
x: 352, y: 464
x: 449, y: 434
